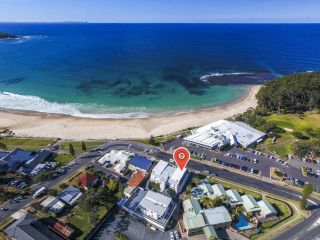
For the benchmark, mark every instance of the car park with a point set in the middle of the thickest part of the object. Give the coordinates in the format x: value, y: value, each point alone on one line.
x: 176, y: 234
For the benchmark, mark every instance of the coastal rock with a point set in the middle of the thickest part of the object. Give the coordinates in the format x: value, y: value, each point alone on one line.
x: 7, y: 36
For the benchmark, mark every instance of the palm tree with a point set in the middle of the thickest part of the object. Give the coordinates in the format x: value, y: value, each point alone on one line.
x: 188, y: 189
x: 207, y: 202
x: 196, y: 181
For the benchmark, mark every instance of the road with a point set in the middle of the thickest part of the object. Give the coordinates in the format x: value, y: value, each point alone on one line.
x: 87, y: 158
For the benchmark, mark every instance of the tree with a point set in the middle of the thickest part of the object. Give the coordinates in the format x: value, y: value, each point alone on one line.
x: 71, y: 150
x: 307, y: 190
x: 83, y: 146
x: 154, y: 186
x: 196, y: 181
x: 152, y: 141
x: 303, y: 203
x: 3, y: 146
x: 112, y: 185
x: 207, y: 202
x: 171, y: 192
x: 188, y: 189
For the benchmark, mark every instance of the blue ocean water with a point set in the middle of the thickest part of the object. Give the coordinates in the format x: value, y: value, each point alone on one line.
x: 121, y: 70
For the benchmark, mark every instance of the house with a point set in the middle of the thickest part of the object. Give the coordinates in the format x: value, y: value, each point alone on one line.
x: 70, y: 195
x: 221, y: 133
x: 168, y: 176
x: 210, y: 233
x: 53, y: 204
x: 218, y: 217
x: 154, y: 208
x: 88, y: 180
x: 267, y: 210
x: 250, y: 204
x: 154, y: 205
x: 63, y: 230
x: 140, y: 163
x: 196, y: 221
x: 234, y: 197
x: 134, y: 182
x: 24, y: 229
x: 218, y: 190
x: 115, y: 156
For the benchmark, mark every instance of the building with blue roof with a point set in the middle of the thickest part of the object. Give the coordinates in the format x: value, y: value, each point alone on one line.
x: 140, y: 163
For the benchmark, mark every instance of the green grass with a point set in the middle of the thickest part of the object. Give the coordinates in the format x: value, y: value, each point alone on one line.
x: 284, y: 144
x: 80, y: 219
x: 78, y: 146
x: 33, y: 144
x: 6, y: 222
x: 63, y: 158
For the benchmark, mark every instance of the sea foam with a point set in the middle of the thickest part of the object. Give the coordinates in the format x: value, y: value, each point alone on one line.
x: 14, y: 101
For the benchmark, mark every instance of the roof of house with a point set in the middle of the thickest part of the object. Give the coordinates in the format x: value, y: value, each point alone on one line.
x: 177, y: 175
x: 191, y: 205
x: 141, y: 162
x: 87, y: 179
x: 16, y: 157
x: 193, y: 221
x: 250, y: 204
x: 218, y: 190
x: 70, y: 195
x: 136, y: 179
x: 216, y: 215
x: 155, y: 202
x: 234, y: 197
x: 266, y: 207
x: 22, y: 229
x: 209, y: 231
x: 63, y: 229
x: 159, y: 168
x: 115, y: 156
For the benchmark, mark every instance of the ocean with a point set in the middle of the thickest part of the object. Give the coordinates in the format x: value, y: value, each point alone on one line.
x: 139, y: 70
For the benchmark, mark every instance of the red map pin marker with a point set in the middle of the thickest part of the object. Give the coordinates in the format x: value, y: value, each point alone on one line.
x: 181, y: 156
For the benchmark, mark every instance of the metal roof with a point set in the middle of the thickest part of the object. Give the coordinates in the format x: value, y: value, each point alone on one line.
x: 250, y: 204
x: 266, y: 208
x: 191, y: 205
x: 141, y: 163
x: 215, y: 216
x: 234, y: 197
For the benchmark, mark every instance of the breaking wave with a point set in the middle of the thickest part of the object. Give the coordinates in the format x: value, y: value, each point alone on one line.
x: 217, y: 74
x: 36, y: 104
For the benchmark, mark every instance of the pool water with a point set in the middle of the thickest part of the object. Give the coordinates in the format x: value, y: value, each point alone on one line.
x: 242, y: 224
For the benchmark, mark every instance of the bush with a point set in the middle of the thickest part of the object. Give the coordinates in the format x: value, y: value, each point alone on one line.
x: 120, y: 236
x: 300, y: 136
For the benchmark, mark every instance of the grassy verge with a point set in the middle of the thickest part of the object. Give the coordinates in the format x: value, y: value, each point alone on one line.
x: 33, y: 144
x: 64, y: 158
x: 4, y: 224
x: 78, y: 146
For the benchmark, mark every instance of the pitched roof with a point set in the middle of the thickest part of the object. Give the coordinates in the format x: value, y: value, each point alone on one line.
x: 234, y: 197
x: 250, y: 204
x: 87, y: 179
x: 70, y: 195
x: 136, y: 179
x: 191, y: 205
x: 141, y: 162
x: 63, y: 229
x: 209, y: 231
x: 266, y: 207
x: 193, y: 221
x: 216, y: 215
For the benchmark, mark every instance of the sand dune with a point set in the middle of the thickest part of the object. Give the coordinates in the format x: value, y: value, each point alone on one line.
x: 67, y: 127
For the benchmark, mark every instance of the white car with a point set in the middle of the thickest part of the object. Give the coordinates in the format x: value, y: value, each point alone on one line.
x: 171, y: 236
x: 318, y: 172
x: 176, y: 234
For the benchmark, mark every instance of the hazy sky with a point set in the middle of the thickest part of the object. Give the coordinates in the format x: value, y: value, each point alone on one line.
x: 160, y: 10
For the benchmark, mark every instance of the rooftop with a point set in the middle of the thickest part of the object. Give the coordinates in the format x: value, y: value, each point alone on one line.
x: 87, y: 179
x: 218, y: 215
x: 70, y: 195
x: 191, y: 205
x: 141, y: 162
x: 155, y: 202
x: 266, y: 208
x: 250, y: 204
x: 234, y: 197
x: 136, y: 179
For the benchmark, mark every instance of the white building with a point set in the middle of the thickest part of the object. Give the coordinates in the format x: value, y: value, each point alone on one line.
x: 234, y: 197
x: 250, y: 204
x: 155, y: 205
x: 221, y: 133
x: 169, y: 176
x: 267, y: 210
x: 115, y: 156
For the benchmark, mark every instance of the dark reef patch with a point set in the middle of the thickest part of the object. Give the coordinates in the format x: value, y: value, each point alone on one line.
x: 13, y: 80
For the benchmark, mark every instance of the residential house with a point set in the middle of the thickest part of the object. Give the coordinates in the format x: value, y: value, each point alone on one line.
x: 53, y: 204
x: 267, y: 210
x: 250, y: 204
x: 70, y: 195
x: 234, y: 197
x: 88, y: 180
x: 140, y: 163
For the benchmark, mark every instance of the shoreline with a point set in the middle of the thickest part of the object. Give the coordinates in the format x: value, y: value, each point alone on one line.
x: 37, y: 124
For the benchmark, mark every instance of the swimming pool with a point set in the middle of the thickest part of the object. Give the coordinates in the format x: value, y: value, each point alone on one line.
x: 242, y: 224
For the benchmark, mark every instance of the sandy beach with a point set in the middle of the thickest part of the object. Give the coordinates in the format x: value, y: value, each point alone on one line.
x: 67, y: 127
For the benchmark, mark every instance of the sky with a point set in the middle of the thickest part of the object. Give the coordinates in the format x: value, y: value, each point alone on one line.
x: 154, y: 11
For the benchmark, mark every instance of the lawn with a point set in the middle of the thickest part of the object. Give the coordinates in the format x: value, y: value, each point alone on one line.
x: 78, y: 146
x: 64, y: 158
x: 80, y: 219
x: 33, y: 144
x: 284, y: 144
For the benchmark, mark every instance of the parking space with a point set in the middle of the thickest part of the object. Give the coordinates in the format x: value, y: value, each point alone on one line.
x: 132, y: 227
x: 251, y: 161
